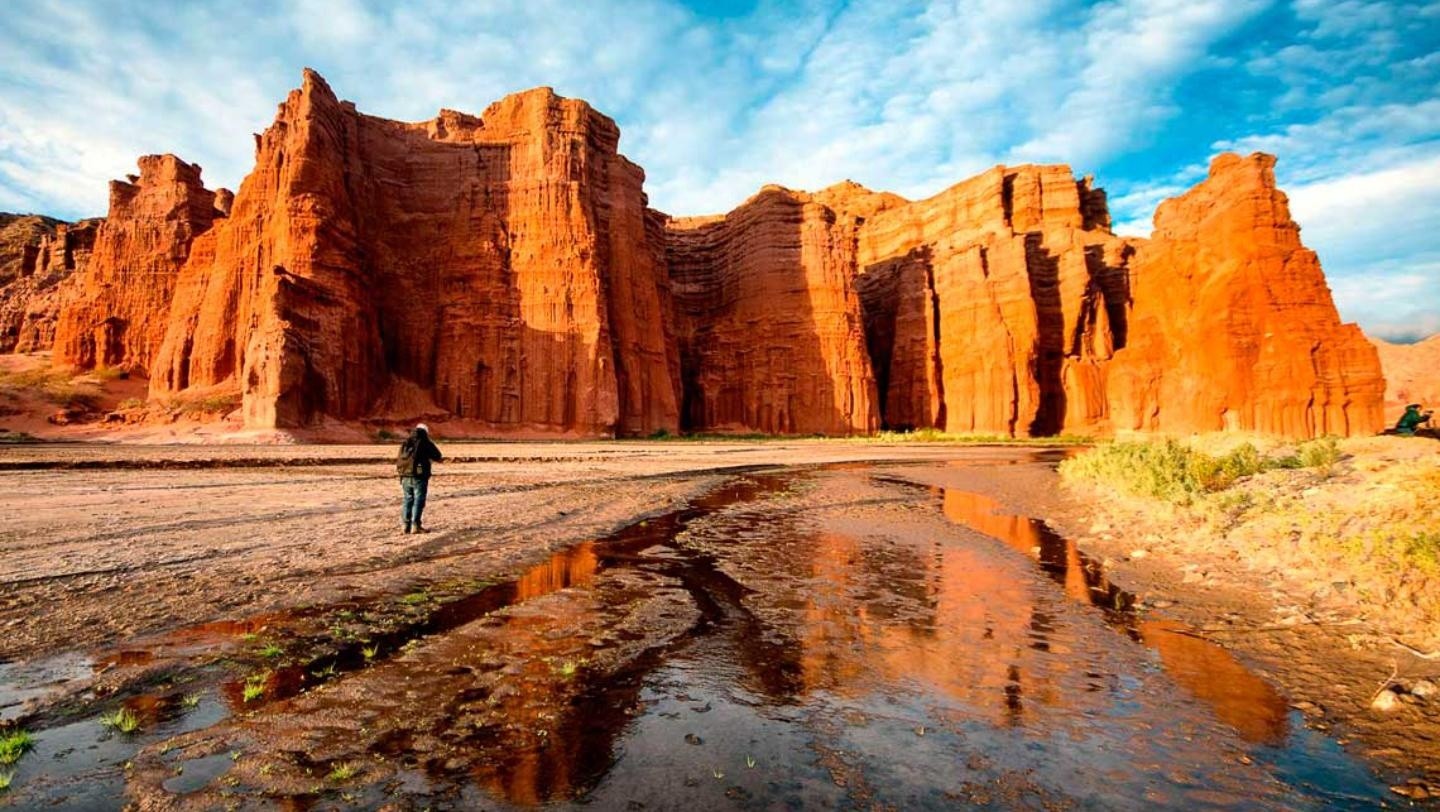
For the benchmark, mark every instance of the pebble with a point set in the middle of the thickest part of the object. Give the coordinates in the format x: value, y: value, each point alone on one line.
x: 1138, y: 553
x: 1424, y: 689
x: 1387, y: 700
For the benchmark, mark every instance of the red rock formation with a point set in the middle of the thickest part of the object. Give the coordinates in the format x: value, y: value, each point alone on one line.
x: 37, y: 256
x: 116, y: 313
x: 1233, y: 326
x: 771, y: 333
x: 499, y: 270
x: 503, y: 272
x: 1006, y: 287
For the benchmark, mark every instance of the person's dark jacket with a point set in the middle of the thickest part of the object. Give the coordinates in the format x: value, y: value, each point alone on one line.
x: 416, y: 454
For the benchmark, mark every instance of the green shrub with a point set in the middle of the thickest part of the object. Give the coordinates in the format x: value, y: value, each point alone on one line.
x: 1169, y: 470
x: 14, y: 744
x: 1322, y: 453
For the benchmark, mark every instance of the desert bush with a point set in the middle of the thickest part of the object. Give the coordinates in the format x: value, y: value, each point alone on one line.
x: 1170, y: 471
x: 130, y: 403
x: 1323, y: 453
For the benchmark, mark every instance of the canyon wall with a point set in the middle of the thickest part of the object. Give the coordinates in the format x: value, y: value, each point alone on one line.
x: 770, y: 328
x: 503, y: 274
x: 500, y: 270
x: 38, y: 256
x: 1233, y: 326
x: 114, y: 312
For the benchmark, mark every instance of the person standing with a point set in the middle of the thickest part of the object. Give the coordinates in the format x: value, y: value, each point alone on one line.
x: 413, y: 466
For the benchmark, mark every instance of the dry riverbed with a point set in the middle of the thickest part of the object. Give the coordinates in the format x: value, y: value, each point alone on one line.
x: 649, y: 624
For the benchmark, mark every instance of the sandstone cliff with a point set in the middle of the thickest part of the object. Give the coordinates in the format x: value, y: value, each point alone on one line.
x: 504, y: 273
x: 498, y: 269
x: 114, y: 313
x: 1233, y: 326
x: 771, y: 333
x: 37, y: 257
x: 1412, y: 375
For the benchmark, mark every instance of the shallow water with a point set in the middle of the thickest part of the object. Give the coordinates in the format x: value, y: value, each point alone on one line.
x: 822, y: 638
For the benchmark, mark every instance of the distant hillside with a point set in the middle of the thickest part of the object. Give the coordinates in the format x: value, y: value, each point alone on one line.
x: 1412, y: 373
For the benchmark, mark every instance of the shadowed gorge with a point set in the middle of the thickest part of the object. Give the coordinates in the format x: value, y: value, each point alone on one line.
x: 503, y: 274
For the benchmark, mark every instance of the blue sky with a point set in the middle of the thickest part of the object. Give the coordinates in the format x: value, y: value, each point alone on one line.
x: 716, y: 99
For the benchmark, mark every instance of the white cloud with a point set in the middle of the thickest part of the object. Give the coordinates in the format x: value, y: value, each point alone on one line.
x: 910, y: 95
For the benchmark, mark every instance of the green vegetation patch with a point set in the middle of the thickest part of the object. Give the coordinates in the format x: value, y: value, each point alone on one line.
x: 1174, y: 472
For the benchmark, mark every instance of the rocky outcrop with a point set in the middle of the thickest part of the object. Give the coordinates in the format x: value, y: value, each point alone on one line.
x: 503, y: 273
x: 770, y: 326
x: 500, y: 270
x: 1410, y: 375
x: 116, y: 310
x: 37, y: 256
x: 1233, y: 326
x: 1006, y: 288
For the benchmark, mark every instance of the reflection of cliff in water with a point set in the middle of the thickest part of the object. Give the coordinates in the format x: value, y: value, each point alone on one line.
x: 1206, y: 671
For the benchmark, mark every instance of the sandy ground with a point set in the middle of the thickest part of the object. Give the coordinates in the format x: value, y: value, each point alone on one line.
x: 141, y: 539
x: 108, y: 549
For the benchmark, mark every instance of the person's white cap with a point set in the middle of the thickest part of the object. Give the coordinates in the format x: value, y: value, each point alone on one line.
x: 423, y: 428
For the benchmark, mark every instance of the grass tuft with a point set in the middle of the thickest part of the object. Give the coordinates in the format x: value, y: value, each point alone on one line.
x: 254, y: 686
x: 14, y: 744
x: 344, y: 771
x: 122, y: 719
x: 1174, y: 472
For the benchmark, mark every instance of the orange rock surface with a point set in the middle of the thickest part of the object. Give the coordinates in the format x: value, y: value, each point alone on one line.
x: 37, y: 256
x: 115, y: 312
x: 1006, y: 286
x: 771, y: 333
x: 1412, y: 375
x: 499, y: 270
x: 1233, y: 326
x: 503, y: 273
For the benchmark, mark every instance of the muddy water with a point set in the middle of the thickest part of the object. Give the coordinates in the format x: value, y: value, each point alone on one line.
x: 811, y: 639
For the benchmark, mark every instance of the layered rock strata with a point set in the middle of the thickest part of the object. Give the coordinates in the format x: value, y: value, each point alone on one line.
x: 500, y: 270
x: 770, y: 329
x: 116, y: 310
x: 504, y: 272
x: 37, y: 257
x: 1233, y: 326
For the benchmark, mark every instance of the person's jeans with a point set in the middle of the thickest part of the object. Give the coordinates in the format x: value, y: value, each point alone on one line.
x: 414, y: 489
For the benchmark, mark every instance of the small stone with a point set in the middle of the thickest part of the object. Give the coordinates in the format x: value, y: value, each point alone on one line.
x: 1138, y: 553
x: 1162, y: 604
x: 1424, y: 689
x: 1386, y: 701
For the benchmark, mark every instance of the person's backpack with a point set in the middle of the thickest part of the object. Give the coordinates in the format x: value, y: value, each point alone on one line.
x: 405, y: 463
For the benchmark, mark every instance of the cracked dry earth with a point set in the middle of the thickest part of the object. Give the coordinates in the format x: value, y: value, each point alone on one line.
x: 622, y: 625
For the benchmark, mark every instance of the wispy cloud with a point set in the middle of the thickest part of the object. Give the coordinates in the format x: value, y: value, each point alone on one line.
x: 906, y: 95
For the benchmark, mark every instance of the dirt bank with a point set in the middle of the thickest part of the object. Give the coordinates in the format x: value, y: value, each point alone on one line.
x: 1321, y: 577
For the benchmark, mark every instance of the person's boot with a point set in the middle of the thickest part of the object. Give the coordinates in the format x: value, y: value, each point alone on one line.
x: 407, y: 529
x: 419, y: 529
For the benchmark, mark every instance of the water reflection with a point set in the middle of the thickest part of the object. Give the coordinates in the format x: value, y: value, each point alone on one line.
x: 1208, y: 672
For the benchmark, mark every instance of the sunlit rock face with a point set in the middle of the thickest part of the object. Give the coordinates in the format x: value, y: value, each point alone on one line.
x: 503, y: 273
x: 1232, y: 325
x: 39, y: 260
x: 498, y: 270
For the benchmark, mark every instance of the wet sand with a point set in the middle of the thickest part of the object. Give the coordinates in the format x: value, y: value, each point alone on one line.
x: 642, y: 625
